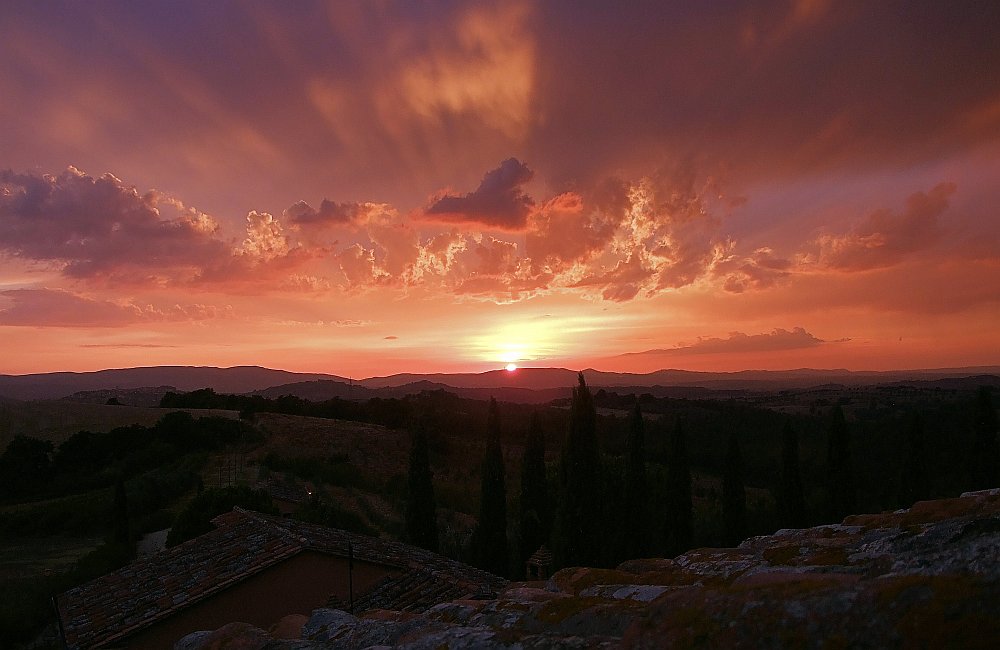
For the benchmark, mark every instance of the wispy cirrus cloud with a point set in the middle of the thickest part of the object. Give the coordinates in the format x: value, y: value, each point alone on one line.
x: 59, y: 308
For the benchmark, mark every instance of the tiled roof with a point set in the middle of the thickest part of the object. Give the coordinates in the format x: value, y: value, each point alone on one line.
x: 244, y: 543
x: 416, y: 590
x: 541, y: 557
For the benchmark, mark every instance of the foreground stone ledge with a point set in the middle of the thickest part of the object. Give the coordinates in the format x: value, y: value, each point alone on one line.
x: 927, y: 576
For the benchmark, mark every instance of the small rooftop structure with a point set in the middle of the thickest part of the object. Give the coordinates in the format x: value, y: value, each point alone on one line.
x: 539, y: 565
x: 257, y: 565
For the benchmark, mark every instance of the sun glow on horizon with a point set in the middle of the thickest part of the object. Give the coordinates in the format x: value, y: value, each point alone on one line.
x: 510, y: 367
x: 534, y: 339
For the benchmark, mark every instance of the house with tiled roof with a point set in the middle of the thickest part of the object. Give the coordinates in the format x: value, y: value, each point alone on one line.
x: 258, y: 569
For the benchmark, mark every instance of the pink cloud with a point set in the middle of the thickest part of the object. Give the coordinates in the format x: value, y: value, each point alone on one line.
x: 100, y: 227
x: 886, y: 238
x: 328, y: 214
x: 738, y: 342
x: 58, y: 308
x: 761, y: 270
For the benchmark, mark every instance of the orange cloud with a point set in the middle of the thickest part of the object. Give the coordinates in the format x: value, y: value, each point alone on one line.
x: 761, y: 270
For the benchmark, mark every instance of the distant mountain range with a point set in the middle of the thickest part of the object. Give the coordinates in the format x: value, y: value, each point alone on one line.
x: 521, y: 385
x: 239, y: 379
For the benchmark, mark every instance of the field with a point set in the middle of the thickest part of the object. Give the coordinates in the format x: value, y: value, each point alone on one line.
x: 57, y: 420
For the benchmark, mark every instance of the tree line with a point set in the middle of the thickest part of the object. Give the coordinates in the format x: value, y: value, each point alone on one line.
x: 603, y: 509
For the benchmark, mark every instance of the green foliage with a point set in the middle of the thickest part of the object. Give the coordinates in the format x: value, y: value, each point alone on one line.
x: 121, y: 523
x: 335, y: 470
x: 913, y: 483
x: 490, y: 537
x: 614, y: 545
x: 393, y: 413
x: 329, y: 513
x: 421, y: 509
x: 94, y: 511
x: 578, y: 535
x: 841, y: 494
x: 196, y: 518
x: 734, y: 497
x: 636, y: 506
x: 985, y: 471
x: 536, y: 514
x: 791, y: 498
x: 25, y: 467
x: 81, y: 514
x: 26, y: 602
x: 679, y: 509
x: 87, y: 461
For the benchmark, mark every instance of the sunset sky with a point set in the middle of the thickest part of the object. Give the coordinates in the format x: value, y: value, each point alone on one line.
x: 382, y: 187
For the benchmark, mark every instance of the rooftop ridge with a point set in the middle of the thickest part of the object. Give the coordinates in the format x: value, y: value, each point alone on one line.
x: 243, y: 544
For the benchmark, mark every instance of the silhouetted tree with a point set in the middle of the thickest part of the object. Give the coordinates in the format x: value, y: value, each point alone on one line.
x: 791, y: 498
x: 734, y: 497
x: 421, y: 508
x: 985, y: 455
x: 636, y: 494
x: 196, y: 517
x: 121, y: 513
x: 490, y: 537
x: 913, y: 483
x: 841, y: 495
x: 536, y: 516
x: 577, y: 541
x: 25, y: 467
x: 679, y: 515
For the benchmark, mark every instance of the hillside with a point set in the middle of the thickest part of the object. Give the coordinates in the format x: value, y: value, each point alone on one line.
x: 57, y: 420
x: 519, y: 385
x: 239, y: 379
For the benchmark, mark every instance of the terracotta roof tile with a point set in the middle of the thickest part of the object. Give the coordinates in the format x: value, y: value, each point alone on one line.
x: 244, y: 543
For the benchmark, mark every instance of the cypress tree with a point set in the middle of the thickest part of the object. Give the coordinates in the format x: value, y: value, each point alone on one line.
x: 578, y: 540
x: 791, y: 497
x: 913, y: 485
x: 491, y: 533
x: 734, y: 497
x: 841, y: 495
x: 536, y: 517
x: 421, y: 509
x: 636, y: 528
x: 985, y: 455
x: 679, y: 528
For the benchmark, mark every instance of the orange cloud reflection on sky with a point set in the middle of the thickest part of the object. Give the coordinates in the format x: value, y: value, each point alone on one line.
x: 366, y: 189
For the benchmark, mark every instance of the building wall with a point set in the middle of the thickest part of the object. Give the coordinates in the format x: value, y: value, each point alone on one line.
x: 298, y: 585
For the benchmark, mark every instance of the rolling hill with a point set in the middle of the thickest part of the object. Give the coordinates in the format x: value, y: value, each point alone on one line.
x: 522, y: 385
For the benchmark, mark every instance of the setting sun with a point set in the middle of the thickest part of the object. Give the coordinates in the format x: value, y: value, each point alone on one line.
x: 457, y: 211
x: 510, y: 367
